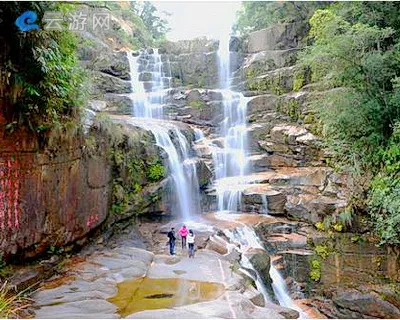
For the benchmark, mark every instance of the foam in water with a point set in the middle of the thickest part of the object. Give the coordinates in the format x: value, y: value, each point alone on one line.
x: 147, y: 100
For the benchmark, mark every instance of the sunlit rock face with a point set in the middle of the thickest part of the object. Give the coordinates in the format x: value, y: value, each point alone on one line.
x: 276, y: 37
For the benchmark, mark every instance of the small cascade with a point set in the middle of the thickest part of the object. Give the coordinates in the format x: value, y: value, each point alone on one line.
x: 150, y: 81
x: 246, y: 242
x: 248, y: 239
x: 198, y: 134
x: 264, y: 200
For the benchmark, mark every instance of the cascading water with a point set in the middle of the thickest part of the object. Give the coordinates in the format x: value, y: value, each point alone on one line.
x: 231, y: 169
x: 231, y: 160
x: 248, y: 239
x: 149, y: 80
x: 238, y: 236
x: 264, y: 200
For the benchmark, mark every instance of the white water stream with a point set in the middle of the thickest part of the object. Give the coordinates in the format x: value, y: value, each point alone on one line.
x: 147, y: 100
x: 248, y: 239
x: 231, y: 159
x: 231, y: 168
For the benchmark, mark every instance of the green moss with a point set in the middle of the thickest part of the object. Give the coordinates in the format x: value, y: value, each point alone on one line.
x: 293, y: 110
x: 309, y: 119
x: 338, y: 226
x: 320, y: 226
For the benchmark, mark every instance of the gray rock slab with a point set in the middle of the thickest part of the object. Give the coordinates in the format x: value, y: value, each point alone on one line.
x: 79, y: 309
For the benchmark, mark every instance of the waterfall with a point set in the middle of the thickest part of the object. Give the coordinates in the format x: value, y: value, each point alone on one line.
x: 150, y: 81
x: 264, y: 200
x: 231, y: 168
x: 231, y: 160
x: 198, y: 134
x: 248, y: 239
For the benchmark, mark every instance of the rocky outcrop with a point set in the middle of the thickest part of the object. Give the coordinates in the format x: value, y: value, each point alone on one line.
x: 56, y: 195
x: 199, y: 45
x: 115, y: 64
x: 276, y: 37
x: 197, y: 106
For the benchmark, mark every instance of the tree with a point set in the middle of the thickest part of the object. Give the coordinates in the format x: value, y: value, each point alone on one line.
x: 355, y: 52
x: 41, y: 81
x: 256, y: 15
x: 153, y: 22
x: 351, y: 56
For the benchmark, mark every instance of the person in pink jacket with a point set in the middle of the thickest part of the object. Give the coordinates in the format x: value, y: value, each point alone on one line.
x: 183, y: 232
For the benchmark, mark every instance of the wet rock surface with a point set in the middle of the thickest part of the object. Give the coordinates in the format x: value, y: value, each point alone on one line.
x: 91, y: 281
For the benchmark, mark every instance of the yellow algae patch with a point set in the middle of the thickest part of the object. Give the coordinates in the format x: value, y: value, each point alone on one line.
x: 149, y: 294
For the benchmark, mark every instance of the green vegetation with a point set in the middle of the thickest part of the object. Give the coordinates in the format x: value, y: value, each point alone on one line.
x: 315, y: 272
x: 11, y: 303
x: 43, y: 85
x: 335, y: 223
x: 156, y: 172
x: 197, y: 104
x: 133, y: 165
x: 352, y: 53
x: 322, y: 251
x: 384, y: 195
x: 357, y: 52
x: 256, y: 15
x: 148, y: 28
x: 40, y: 77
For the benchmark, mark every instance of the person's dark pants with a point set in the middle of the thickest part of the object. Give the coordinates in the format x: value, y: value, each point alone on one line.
x: 191, y: 250
x: 183, y: 242
x: 171, y: 247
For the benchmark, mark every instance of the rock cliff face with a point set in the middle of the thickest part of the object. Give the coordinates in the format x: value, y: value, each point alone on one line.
x: 286, y: 154
x: 291, y: 176
x: 56, y: 195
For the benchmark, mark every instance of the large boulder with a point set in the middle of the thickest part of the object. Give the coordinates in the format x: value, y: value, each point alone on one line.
x: 261, y: 262
x: 261, y: 104
x: 118, y: 104
x: 354, y: 304
x: 278, y: 81
x: 277, y: 37
x: 217, y: 244
x: 198, y: 69
x: 274, y: 200
x: 115, y: 64
x: 204, y: 174
x: 105, y: 83
x: 264, y: 61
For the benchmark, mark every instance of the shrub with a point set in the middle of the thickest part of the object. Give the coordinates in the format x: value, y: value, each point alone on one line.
x: 10, y: 303
x: 322, y: 251
x: 156, y: 172
x: 315, y: 272
x: 384, y: 194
